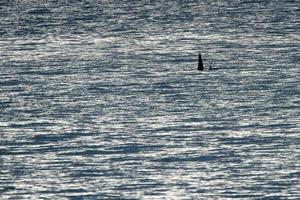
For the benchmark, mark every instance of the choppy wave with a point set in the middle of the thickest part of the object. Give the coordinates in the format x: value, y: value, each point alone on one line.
x: 102, y: 100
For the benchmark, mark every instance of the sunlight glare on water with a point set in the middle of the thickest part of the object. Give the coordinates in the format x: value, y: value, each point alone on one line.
x: 103, y: 100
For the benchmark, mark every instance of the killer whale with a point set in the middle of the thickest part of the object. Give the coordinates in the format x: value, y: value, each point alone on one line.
x: 200, y: 64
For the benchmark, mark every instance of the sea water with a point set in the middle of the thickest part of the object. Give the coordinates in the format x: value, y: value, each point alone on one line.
x: 101, y: 99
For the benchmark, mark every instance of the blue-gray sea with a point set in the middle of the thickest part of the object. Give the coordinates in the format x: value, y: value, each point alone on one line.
x: 101, y: 99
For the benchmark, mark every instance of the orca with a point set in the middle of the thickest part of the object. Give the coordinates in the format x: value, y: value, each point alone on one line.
x: 211, y: 68
x: 200, y: 63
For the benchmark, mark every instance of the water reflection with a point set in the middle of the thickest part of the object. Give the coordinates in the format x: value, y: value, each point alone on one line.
x: 102, y: 100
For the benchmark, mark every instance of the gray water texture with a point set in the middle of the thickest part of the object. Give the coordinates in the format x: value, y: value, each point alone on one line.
x: 102, y: 99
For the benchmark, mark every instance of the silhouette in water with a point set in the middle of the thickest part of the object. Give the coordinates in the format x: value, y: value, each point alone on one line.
x: 200, y: 63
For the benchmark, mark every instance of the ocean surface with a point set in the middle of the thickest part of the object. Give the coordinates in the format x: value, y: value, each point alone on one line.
x: 101, y: 99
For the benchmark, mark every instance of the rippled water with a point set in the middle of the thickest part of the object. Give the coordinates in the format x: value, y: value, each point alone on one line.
x: 102, y: 99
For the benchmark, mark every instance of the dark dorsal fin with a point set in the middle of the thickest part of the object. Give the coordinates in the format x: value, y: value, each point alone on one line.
x: 200, y: 63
